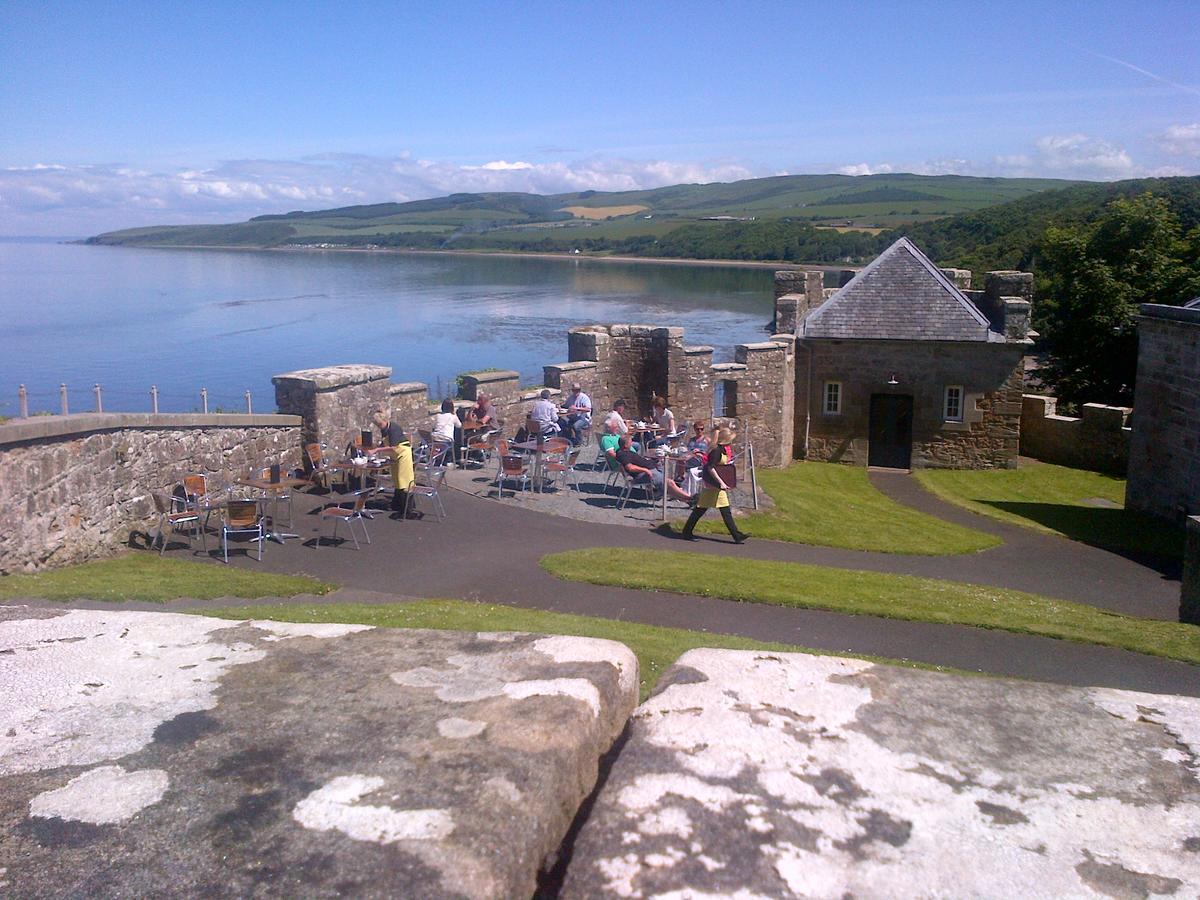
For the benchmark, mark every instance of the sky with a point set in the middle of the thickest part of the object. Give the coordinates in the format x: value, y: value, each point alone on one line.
x: 120, y: 114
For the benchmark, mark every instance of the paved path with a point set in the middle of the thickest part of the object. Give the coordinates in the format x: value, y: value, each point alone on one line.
x: 488, y: 551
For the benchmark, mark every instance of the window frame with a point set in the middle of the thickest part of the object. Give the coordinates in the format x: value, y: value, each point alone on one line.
x: 836, y: 409
x: 961, y: 401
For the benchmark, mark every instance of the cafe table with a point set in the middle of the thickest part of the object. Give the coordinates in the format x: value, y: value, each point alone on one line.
x: 274, y: 489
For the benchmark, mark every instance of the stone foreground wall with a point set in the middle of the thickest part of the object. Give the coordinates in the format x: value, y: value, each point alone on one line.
x: 1098, y: 440
x: 73, y: 487
x: 1164, y: 449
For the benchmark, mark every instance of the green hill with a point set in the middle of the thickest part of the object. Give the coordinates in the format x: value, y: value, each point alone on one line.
x: 1007, y: 236
x: 595, y: 218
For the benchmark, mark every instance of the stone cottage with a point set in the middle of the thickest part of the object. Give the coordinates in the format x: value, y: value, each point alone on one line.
x: 905, y: 368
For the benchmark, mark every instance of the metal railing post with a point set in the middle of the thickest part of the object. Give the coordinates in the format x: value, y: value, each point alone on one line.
x: 204, y: 400
x: 23, y: 401
x: 62, y: 397
x: 249, y: 407
x: 154, y: 399
x: 99, y: 401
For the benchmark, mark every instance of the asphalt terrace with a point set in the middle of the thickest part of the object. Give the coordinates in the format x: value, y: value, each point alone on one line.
x: 489, y: 551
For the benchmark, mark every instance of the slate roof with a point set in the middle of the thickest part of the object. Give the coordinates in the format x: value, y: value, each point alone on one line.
x: 900, y: 296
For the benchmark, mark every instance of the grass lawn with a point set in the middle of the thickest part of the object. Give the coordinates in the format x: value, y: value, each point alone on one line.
x: 871, y: 593
x: 656, y: 648
x: 1056, y: 499
x: 836, y: 506
x: 146, y: 576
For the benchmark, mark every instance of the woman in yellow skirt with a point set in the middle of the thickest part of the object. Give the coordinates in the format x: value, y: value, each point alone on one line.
x: 715, y: 492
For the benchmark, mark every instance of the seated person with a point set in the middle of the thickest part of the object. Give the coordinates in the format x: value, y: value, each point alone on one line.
x: 664, y: 419
x: 483, y: 412
x: 617, y: 417
x: 698, y: 442
x: 645, y: 469
x: 610, y: 442
x: 578, y: 416
x: 447, y: 429
x: 544, y: 414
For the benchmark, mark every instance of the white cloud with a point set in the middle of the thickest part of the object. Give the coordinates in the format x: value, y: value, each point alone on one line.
x: 865, y: 169
x: 56, y: 199
x: 1181, y: 140
x: 1081, y: 156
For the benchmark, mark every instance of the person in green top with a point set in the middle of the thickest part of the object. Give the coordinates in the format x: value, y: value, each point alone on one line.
x: 609, y: 443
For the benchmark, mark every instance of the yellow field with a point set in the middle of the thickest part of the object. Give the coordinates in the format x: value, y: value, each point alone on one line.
x: 845, y: 228
x: 602, y: 212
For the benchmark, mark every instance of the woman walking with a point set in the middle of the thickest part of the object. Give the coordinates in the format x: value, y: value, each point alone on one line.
x: 714, y: 494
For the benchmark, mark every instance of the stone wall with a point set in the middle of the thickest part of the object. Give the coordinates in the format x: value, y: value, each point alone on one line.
x: 1189, y: 590
x: 335, y: 402
x: 75, y: 486
x: 766, y: 399
x: 1164, y: 449
x: 609, y: 361
x: 990, y: 375
x: 1098, y: 440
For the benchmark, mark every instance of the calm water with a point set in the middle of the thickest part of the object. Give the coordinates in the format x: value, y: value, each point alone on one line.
x: 229, y: 320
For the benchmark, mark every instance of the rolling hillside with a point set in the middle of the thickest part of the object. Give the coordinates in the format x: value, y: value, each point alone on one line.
x: 513, y: 220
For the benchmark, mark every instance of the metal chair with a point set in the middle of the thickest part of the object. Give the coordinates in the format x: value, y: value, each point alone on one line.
x: 354, y: 513
x: 512, y: 468
x: 429, y: 482
x: 483, y: 444
x: 243, y: 517
x: 322, y: 468
x: 567, y: 467
x: 168, y: 518
x: 632, y: 483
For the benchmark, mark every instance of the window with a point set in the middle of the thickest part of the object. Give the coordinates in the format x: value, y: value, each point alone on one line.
x: 725, y: 399
x: 832, y: 403
x: 952, y: 406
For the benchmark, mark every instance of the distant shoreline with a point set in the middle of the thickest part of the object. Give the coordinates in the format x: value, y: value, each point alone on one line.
x: 653, y: 260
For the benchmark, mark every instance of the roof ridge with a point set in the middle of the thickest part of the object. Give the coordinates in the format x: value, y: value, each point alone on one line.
x: 901, y: 243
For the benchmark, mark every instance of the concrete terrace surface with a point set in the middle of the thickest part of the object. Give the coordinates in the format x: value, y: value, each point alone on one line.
x: 155, y: 754
x: 489, y: 551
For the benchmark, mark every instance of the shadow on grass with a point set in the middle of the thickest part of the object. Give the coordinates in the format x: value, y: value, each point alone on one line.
x: 1137, y: 537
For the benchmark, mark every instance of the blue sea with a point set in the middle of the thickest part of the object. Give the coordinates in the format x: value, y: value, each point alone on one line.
x: 228, y: 320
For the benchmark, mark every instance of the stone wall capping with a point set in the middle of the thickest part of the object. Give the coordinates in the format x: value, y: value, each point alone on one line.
x: 697, y: 350
x: 1174, y: 313
x: 37, y: 428
x: 328, y: 378
x: 408, y: 387
x: 724, y: 368
x: 490, y: 377
x: 579, y: 366
x: 760, y: 346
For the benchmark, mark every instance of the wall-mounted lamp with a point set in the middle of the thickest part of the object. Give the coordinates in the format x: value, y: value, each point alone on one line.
x: 893, y: 380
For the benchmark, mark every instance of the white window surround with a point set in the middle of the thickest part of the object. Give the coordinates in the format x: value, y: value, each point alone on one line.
x: 831, y: 398
x: 952, y: 403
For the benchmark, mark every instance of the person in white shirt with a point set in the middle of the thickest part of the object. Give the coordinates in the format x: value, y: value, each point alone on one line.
x: 544, y: 415
x: 446, y: 427
x: 617, y: 417
x: 579, y: 415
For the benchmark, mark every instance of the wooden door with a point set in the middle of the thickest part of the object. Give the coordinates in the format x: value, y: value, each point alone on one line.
x: 890, y: 431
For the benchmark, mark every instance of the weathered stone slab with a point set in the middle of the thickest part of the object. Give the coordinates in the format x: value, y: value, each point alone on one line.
x: 148, y: 754
x: 780, y: 775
